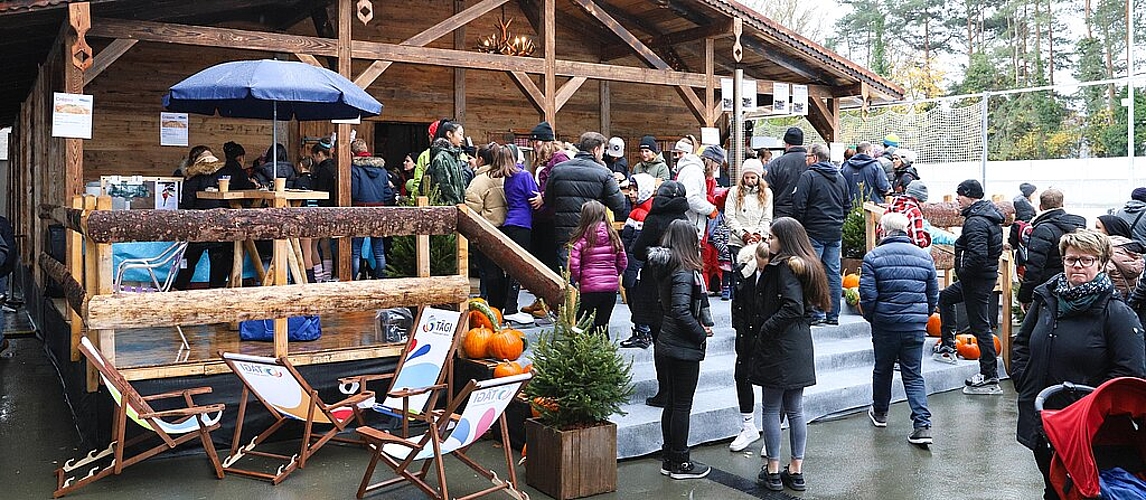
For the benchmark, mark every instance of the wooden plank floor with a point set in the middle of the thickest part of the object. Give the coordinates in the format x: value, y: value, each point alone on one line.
x: 146, y: 353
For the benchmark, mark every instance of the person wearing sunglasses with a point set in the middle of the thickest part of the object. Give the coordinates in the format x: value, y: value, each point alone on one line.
x: 1076, y: 330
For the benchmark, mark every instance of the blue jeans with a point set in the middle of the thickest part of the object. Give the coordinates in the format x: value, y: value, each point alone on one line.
x: 907, y: 348
x: 829, y: 254
x: 376, y: 247
x: 792, y: 403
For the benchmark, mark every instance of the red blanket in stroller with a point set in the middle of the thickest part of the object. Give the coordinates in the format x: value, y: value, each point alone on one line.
x: 1106, y: 421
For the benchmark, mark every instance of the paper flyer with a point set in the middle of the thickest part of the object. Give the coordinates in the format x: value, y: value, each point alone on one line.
x: 799, y: 99
x: 165, y: 196
x: 726, y: 94
x: 748, y: 95
x: 709, y: 135
x: 780, y: 98
x: 72, y: 115
x: 173, y: 129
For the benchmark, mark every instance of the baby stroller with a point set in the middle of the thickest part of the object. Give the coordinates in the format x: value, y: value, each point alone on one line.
x: 1098, y: 441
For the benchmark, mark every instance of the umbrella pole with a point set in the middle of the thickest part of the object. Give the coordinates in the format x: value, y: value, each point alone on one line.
x: 275, y: 136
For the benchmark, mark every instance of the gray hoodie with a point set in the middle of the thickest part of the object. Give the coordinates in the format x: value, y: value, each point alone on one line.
x: 1132, y: 213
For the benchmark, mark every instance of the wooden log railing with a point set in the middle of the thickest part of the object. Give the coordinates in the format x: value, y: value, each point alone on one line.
x: 73, y: 290
x: 70, y: 218
x: 517, y: 261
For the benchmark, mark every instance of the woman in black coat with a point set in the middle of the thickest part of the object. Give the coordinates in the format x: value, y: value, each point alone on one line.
x: 669, y: 204
x: 1077, y: 331
x: 783, y: 362
x: 676, y: 265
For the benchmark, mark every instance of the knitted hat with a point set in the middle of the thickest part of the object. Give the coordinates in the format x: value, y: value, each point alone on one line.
x: 683, y: 146
x: 616, y: 147
x: 671, y: 189
x: 1027, y: 189
x: 650, y: 143
x: 918, y: 190
x: 907, y: 155
x: 646, y: 185
x: 542, y: 132
x: 433, y: 129
x: 891, y: 140
x: 971, y: 189
x: 794, y: 136
x: 714, y: 153
x: 1138, y: 194
x: 752, y: 165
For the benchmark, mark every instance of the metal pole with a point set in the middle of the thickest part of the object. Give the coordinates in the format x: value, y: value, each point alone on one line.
x: 274, y: 137
x: 737, y: 125
x: 1130, y: 149
x: 983, y: 136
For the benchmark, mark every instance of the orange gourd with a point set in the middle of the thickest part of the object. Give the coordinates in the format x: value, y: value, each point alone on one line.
x: 934, y: 325
x: 482, y: 315
x: 968, y: 346
x: 507, y: 369
x: 540, y: 402
x: 476, y: 343
x: 851, y: 280
x: 505, y: 344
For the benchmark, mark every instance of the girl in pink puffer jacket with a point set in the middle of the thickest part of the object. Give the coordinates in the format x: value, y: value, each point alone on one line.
x: 596, y: 261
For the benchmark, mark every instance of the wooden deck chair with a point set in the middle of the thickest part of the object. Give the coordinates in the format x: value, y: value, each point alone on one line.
x: 185, y: 424
x: 449, y: 434
x: 425, y: 363
x: 287, y: 396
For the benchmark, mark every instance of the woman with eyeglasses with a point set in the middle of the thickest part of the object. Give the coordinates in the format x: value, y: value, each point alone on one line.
x: 1077, y: 330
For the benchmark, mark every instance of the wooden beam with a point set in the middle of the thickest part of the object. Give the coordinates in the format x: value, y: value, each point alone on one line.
x: 75, y: 263
x: 70, y: 218
x: 309, y: 59
x: 694, y: 104
x: 824, y: 117
x: 624, y: 34
x: 216, y: 366
x: 110, y: 54
x: 567, y: 90
x: 709, y: 80
x: 79, y: 18
x: 345, y: 48
x: 203, y: 36
x: 371, y: 73
x: 460, y: 73
x: 549, y: 32
x: 714, y: 30
x: 525, y: 83
x: 518, y: 262
x: 223, y: 305
x: 73, y: 290
x: 606, y: 101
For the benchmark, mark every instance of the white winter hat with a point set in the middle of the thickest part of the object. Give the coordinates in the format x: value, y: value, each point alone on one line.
x: 752, y: 165
x: 684, y: 145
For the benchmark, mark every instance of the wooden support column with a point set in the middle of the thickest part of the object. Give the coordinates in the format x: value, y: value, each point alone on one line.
x: 422, y: 245
x: 549, y: 26
x: 281, y: 262
x: 103, y: 269
x: 463, y: 253
x: 459, y: 73
x: 824, y: 115
x: 91, y: 284
x: 606, y: 108
x: 76, y: 60
x: 75, y: 265
x: 709, y: 81
x: 345, y: 14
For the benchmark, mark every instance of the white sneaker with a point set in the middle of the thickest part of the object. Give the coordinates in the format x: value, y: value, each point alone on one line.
x: 521, y: 318
x: 748, y: 435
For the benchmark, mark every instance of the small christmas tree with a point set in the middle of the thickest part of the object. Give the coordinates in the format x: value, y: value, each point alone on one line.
x: 579, y: 379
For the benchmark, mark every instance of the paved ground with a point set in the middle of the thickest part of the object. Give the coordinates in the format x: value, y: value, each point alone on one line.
x: 975, y: 456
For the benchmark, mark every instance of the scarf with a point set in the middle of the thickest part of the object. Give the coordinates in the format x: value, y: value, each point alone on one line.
x: 1072, y: 300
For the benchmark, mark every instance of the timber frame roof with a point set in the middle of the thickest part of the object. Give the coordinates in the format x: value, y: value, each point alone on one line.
x: 674, y: 30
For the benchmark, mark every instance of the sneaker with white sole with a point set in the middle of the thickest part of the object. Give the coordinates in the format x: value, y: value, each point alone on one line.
x: 748, y: 435
x: 920, y: 436
x: 944, y: 354
x: 980, y: 385
x: 877, y: 419
x: 521, y: 318
x: 689, y: 470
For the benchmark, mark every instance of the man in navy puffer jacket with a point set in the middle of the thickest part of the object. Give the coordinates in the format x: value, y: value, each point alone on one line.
x: 898, y: 292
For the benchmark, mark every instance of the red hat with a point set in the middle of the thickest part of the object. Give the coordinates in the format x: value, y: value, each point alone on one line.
x: 434, y: 127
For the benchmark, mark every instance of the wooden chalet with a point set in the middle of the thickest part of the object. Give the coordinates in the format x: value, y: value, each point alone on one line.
x: 621, y: 67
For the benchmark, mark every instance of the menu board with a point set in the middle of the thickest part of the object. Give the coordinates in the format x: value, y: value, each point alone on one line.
x: 72, y: 115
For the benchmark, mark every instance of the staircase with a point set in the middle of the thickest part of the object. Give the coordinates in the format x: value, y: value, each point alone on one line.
x: 844, y: 360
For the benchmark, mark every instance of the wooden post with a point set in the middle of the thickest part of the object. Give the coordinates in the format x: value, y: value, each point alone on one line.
x: 1005, y: 265
x: 79, y: 17
x: 710, y: 81
x: 91, y: 284
x: 460, y: 73
x: 75, y: 265
x: 422, y: 247
x: 104, y: 271
x: 280, y: 263
x: 549, y: 26
x: 345, y: 14
x: 463, y: 254
x: 606, y: 108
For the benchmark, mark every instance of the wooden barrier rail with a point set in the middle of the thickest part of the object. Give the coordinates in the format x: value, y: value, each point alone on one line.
x: 223, y: 305
x: 73, y: 290
x: 527, y: 270
x: 70, y: 218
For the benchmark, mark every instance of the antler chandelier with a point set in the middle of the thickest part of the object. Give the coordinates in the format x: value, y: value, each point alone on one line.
x: 503, y: 42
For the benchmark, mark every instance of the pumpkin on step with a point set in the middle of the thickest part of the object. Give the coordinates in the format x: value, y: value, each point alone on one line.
x: 509, y: 369
x: 476, y: 343
x: 968, y: 346
x: 483, y: 315
x: 851, y: 280
x: 934, y: 325
x: 505, y: 344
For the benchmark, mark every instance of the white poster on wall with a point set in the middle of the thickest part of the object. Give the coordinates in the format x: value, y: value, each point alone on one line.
x: 709, y: 135
x: 72, y: 115
x: 173, y: 129
x: 166, y: 197
x: 780, y: 97
x: 799, y: 99
x: 4, y: 133
x: 748, y: 90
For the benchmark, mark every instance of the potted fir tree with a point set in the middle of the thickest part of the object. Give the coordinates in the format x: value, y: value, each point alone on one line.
x: 579, y: 381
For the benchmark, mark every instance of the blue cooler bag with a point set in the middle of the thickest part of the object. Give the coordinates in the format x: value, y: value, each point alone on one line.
x: 299, y: 329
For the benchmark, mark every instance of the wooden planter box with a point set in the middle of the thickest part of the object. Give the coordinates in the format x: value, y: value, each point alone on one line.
x: 571, y: 464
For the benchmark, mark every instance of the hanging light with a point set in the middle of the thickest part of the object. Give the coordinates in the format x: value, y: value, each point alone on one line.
x: 503, y: 42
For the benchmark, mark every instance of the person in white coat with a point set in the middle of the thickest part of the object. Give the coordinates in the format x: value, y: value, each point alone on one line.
x: 690, y: 173
x: 748, y: 209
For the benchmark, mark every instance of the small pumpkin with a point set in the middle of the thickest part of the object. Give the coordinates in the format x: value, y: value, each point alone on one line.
x: 476, y: 343
x: 852, y: 296
x: 540, y: 402
x: 508, y: 369
x: 933, y: 325
x: 968, y: 346
x: 505, y: 344
x: 851, y: 280
x: 483, y: 315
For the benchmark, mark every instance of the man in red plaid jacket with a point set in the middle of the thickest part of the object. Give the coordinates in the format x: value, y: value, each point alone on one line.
x: 908, y: 204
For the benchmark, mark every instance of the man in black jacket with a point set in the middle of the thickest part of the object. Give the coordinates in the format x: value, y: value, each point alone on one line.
x: 977, y: 254
x: 574, y: 182
x: 783, y: 172
x: 820, y: 202
x: 1043, y: 258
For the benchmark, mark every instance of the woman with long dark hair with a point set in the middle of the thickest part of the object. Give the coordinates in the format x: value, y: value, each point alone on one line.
x: 783, y: 360
x: 682, y: 341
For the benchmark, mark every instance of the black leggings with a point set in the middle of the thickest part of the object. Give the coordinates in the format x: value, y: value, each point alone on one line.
x: 221, y: 256
x: 600, y: 303
x: 675, y: 418
x: 521, y: 236
x: 744, y: 393
x: 1043, y: 455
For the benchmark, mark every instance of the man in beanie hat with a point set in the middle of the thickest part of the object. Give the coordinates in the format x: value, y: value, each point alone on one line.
x: 1024, y: 210
x: 1132, y: 213
x: 652, y: 162
x: 1043, y: 257
x: 863, y: 170
x: 615, y: 159
x: 785, y: 170
x: 690, y: 172
x: 909, y: 204
x: 820, y: 202
x: 890, y: 144
x: 542, y: 132
x: 977, y: 252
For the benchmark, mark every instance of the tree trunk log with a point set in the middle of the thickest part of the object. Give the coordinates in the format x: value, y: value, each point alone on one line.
x: 224, y: 305
x: 73, y: 291
x: 224, y: 224
x: 517, y: 261
x: 71, y: 218
x: 948, y: 214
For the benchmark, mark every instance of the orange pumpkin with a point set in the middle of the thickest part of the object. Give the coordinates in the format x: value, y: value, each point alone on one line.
x: 933, y: 325
x: 482, y: 315
x: 540, y: 402
x: 476, y: 343
x: 851, y: 280
x: 506, y: 344
x: 507, y: 369
x: 967, y: 346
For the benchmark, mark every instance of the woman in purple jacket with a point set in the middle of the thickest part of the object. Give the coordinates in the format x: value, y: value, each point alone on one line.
x: 596, y: 261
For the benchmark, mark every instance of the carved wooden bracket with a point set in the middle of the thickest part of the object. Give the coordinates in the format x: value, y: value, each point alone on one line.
x: 81, y: 21
x: 737, y: 29
x: 365, y: 10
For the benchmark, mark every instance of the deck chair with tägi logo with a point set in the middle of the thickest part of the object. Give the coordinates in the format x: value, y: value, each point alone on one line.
x: 287, y: 396
x: 449, y: 434
x: 424, y: 364
x: 174, y: 427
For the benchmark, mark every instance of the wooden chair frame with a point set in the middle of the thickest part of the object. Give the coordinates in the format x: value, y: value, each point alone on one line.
x: 441, y: 424
x: 317, y: 412
x: 357, y: 384
x: 191, y: 422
